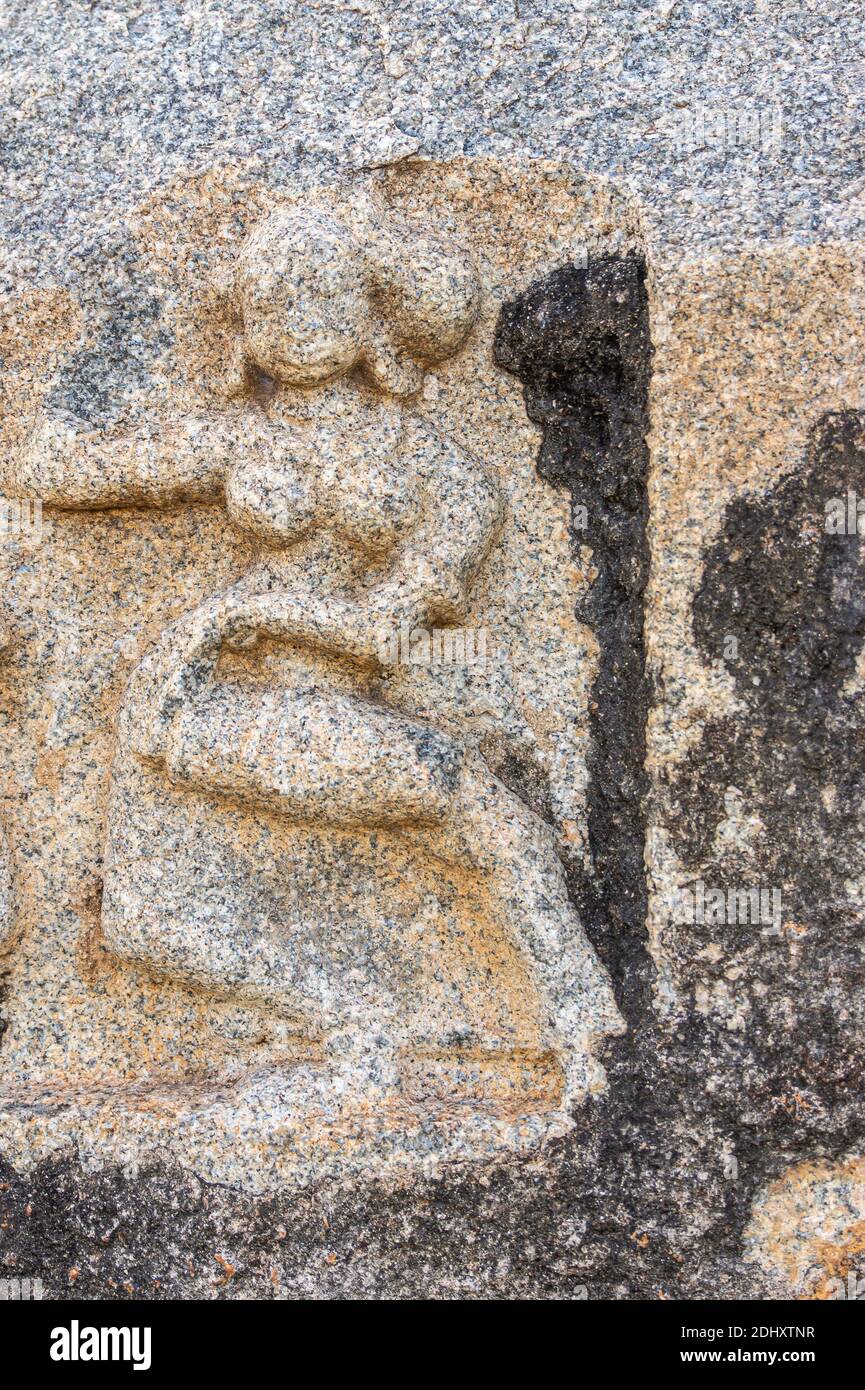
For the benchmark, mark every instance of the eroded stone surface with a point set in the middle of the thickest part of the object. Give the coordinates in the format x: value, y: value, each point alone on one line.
x: 713, y: 1147
x: 807, y: 1230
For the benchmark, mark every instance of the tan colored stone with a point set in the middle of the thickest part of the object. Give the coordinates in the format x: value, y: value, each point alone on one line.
x: 326, y: 928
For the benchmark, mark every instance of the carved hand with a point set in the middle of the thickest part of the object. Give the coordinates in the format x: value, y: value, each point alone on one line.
x: 187, y: 653
x: 327, y: 621
x: 182, y: 663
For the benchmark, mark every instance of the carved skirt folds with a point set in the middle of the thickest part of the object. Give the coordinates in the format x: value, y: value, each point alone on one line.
x: 273, y: 856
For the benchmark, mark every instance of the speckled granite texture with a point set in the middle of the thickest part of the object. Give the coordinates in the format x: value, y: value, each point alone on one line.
x: 430, y: 691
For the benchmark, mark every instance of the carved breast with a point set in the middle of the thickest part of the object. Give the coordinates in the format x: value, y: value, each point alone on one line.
x: 372, y: 503
x: 275, y: 504
x: 337, y: 475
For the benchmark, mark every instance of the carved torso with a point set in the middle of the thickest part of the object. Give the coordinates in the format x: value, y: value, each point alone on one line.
x: 348, y: 473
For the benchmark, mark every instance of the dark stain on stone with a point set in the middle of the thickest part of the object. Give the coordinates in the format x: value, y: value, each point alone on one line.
x: 4, y: 989
x: 579, y: 341
x: 519, y: 769
x: 259, y: 385
x: 782, y: 607
x: 94, y: 383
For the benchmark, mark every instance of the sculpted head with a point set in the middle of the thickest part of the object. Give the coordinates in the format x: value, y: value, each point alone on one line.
x: 320, y: 295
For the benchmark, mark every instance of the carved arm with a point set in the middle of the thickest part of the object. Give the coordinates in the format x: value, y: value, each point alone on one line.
x: 68, y: 464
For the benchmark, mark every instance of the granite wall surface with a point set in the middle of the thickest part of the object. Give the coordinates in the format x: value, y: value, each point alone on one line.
x: 432, y: 453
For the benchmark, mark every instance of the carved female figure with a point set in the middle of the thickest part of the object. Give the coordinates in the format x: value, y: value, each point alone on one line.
x: 366, y: 523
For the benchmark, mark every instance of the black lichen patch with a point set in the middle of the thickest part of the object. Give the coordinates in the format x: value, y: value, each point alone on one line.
x: 581, y: 1226
x: 579, y: 341
x: 4, y: 1023
x: 782, y: 606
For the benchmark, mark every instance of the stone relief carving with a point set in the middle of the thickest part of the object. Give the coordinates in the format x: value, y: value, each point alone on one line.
x: 372, y: 911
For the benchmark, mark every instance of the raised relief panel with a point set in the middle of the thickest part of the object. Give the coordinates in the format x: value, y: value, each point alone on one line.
x: 318, y: 765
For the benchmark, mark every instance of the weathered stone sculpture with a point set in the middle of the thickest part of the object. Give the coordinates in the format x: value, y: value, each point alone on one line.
x: 262, y: 780
x: 431, y: 702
